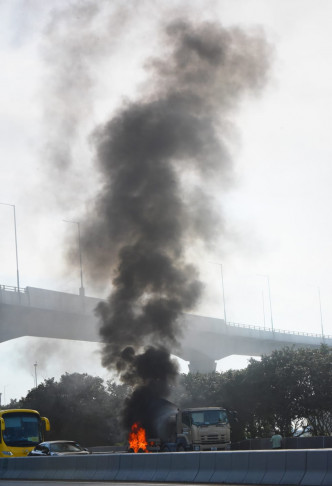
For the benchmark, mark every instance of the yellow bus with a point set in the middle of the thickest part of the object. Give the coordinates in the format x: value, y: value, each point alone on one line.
x: 21, y: 431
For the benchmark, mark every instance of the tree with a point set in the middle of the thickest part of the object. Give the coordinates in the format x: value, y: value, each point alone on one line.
x: 78, y: 407
x: 289, y: 390
x: 197, y: 390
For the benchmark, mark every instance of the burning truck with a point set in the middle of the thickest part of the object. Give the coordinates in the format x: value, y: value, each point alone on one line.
x: 175, y: 430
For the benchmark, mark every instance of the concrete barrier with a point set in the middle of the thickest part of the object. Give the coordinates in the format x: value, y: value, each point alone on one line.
x: 13, y: 468
x: 239, y: 467
x: 207, y: 465
x: 125, y: 467
x: 63, y: 468
x: 184, y: 467
x: 136, y: 467
x: 85, y: 469
x: 223, y: 464
x: 163, y: 466
x: 287, y: 467
x: 3, y: 467
x: 26, y: 469
x: 275, y: 467
x: 107, y: 467
x: 296, y: 462
x: 256, y: 467
x: 327, y: 481
x: 316, y: 468
x: 147, y: 467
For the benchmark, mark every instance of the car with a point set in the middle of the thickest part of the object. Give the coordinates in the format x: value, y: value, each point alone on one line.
x: 59, y: 448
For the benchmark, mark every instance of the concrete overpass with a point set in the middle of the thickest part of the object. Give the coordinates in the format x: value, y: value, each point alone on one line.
x: 45, y: 313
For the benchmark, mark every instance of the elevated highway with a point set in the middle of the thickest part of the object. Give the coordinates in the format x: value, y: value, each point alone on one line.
x: 50, y: 314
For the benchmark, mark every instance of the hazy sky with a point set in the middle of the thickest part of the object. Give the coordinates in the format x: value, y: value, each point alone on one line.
x: 277, y: 211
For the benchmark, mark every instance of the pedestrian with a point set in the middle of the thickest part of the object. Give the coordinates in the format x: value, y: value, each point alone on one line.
x: 276, y: 440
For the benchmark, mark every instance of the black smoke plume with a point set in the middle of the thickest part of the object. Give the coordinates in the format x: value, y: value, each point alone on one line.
x: 160, y: 158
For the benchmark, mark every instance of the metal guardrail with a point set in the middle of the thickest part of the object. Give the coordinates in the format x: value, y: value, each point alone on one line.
x: 282, y: 331
x: 9, y: 288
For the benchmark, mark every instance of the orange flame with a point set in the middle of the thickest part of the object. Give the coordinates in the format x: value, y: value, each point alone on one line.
x: 137, y: 438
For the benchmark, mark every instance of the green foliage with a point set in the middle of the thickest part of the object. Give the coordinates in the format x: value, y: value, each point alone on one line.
x: 197, y: 390
x: 290, y: 389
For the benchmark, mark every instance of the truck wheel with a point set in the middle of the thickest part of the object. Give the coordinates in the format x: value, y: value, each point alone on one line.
x: 180, y: 448
x: 165, y: 449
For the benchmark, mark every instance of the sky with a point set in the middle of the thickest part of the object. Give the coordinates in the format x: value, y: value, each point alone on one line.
x: 275, y: 252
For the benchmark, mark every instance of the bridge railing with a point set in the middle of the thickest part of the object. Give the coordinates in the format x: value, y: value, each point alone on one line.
x: 281, y: 331
x: 23, y: 297
x: 9, y: 288
x: 13, y: 295
x: 47, y: 299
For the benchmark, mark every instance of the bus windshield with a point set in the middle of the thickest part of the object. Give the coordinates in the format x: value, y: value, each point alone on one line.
x: 209, y: 417
x: 22, y: 429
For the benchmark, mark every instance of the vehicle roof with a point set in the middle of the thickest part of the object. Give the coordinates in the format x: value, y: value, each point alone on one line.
x: 200, y: 409
x: 11, y: 410
x: 58, y: 441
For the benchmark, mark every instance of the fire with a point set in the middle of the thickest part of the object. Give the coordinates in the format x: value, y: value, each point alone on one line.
x: 137, y: 438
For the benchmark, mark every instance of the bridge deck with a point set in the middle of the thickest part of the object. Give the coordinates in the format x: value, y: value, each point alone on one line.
x: 45, y: 313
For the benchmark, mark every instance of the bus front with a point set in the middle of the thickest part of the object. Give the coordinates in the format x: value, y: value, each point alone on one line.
x: 21, y: 431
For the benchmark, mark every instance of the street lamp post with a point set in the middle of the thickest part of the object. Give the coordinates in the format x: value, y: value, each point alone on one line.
x: 81, y: 291
x: 269, y: 290
x: 321, y: 315
x: 4, y: 394
x: 17, y: 272
x: 268, y: 283
x: 36, y: 382
x: 223, y: 289
x: 263, y: 308
x: 223, y: 293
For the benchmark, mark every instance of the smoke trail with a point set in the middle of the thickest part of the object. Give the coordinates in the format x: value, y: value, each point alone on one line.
x: 159, y: 156
x: 78, y: 38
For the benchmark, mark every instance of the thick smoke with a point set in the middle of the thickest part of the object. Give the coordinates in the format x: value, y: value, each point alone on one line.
x: 159, y: 156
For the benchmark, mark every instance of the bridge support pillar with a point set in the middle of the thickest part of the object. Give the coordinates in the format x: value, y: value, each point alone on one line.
x: 202, y: 364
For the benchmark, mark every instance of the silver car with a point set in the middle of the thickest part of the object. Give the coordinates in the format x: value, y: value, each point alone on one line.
x: 58, y: 448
